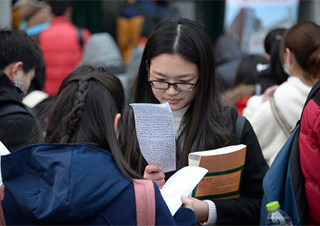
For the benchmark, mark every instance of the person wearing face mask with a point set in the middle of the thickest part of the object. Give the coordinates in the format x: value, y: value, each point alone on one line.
x: 273, y: 119
x: 20, y: 58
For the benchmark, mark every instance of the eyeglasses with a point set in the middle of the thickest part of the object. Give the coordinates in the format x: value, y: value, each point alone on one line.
x: 180, y: 86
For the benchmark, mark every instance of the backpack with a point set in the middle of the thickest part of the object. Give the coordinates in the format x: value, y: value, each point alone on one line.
x: 284, y: 181
x: 239, y: 127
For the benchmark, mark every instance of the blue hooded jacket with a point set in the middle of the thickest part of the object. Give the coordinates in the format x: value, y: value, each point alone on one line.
x: 73, y: 184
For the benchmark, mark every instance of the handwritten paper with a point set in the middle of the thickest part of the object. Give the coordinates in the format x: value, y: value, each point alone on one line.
x: 156, y: 135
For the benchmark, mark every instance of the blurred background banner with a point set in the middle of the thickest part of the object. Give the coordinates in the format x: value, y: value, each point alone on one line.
x: 5, y: 14
x: 248, y: 21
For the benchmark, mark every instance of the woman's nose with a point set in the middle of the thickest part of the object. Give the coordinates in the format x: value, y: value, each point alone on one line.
x: 172, y: 90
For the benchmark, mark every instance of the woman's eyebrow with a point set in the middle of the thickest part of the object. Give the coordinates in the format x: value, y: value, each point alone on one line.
x: 179, y: 76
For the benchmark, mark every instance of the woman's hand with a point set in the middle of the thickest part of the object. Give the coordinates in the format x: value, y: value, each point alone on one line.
x: 200, y: 208
x: 153, y: 172
x: 187, y: 203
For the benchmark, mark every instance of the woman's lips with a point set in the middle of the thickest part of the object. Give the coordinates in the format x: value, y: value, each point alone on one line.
x: 173, y: 101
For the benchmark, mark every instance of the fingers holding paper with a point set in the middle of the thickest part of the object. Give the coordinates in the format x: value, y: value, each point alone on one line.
x: 199, y: 207
x: 154, y: 173
x: 187, y: 203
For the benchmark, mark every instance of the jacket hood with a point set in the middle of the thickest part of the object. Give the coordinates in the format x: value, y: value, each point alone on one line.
x: 8, y: 92
x: 61, y: 183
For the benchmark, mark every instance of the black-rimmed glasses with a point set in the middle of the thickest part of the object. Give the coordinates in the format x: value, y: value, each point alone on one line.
x: 180, y: 86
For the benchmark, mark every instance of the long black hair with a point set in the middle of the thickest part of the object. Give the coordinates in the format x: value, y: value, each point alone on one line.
x: 84, y: 110
x: 205, y: 124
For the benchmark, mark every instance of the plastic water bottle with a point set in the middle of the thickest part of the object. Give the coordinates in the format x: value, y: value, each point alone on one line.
x: 276, y: 216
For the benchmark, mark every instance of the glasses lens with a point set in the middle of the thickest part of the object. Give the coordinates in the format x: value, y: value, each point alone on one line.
x: 160, y: 85
x: 184, y: 87
x: 178, y: 86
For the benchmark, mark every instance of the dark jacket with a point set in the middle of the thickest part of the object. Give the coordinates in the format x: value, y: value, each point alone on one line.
x: 246, y: 209
x: 17, y: 125
x: 73, y: 184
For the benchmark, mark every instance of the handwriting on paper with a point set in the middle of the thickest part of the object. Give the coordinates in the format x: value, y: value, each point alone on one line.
x: 156, y: 135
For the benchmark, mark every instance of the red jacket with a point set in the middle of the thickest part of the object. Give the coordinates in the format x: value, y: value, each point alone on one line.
x: 309, y: 145
x: 61, y: 50
x: 241, y: 104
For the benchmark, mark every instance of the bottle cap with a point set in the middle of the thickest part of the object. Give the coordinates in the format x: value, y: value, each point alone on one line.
x: 273, y: 205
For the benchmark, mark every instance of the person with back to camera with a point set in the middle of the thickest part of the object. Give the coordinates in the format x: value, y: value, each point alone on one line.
x: 20, y: 59
x: 273, y: 119
x: 273, y: 75
x: 309, y: 131
x: 62, y: 45
x: 245, y: 82
x: 78, y: 175
x: 177, y: 66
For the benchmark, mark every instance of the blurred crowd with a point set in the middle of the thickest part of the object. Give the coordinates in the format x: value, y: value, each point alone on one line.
x: 270, y: 90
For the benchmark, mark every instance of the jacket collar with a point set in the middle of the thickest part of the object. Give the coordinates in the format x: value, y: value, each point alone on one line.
x: 8, y: 92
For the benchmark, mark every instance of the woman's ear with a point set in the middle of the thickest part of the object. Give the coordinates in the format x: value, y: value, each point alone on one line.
x: 289, y: 56
x: 267, y: 56
x: 115, y: 123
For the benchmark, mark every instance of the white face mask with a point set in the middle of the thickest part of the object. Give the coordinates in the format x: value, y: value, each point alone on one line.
x: 19, y: 87
x: 286, y: 70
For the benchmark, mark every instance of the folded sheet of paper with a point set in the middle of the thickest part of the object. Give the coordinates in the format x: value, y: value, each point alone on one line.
x: 3, y: 151
x: 156, y: 134
x: 181, y: 183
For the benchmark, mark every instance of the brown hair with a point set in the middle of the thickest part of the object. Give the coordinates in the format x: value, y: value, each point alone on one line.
x: 303, y: 39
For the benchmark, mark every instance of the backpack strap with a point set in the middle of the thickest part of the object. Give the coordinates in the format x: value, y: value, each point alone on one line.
x: 313, y: 91
x: 285, y: 126
x: 10, y: 108
x: 145, y: 201
x: 239, y: 127
x: 2, y: 220
x: 80, y: 37
x: 298, y: 182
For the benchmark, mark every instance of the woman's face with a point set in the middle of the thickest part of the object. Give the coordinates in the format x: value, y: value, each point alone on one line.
x: 173, y: 69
